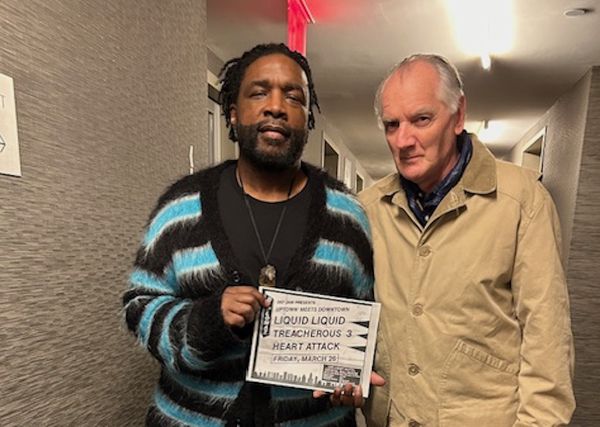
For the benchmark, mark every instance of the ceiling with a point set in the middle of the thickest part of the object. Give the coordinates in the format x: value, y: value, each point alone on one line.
x: 353, y: 43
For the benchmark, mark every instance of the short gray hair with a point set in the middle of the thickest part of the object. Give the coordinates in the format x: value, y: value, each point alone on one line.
x: 451, y: 85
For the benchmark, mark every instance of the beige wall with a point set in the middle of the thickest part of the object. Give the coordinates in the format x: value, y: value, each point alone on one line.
x: 572, y: 175
x: 110, y: 95
x: 227, y: 150
x: 584, y: 268
x: 314, y: 149
x: 565, y: 122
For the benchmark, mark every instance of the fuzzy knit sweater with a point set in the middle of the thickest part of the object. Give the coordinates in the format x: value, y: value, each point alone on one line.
x: 184, y: 264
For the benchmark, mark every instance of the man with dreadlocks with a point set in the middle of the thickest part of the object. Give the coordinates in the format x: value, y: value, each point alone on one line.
x: 267, y: 218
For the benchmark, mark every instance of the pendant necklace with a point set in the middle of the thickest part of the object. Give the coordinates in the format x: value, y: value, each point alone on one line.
x: 268, y: 273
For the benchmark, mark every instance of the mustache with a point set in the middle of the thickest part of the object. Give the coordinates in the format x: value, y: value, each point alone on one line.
x: 274, y: 125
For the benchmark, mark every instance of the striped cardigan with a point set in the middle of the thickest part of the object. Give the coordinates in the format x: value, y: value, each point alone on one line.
x: 185, y: 262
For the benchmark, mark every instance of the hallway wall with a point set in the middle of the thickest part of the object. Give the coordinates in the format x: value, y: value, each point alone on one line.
x: 110, y: 95
x: 565, y: 125
x: 584, y: 269
x: 572, y: 175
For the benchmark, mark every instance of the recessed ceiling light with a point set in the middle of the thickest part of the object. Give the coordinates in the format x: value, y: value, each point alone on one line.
x: 576, y: 12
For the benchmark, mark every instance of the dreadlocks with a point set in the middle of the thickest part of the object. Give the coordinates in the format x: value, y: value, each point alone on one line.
x: 233, y: 71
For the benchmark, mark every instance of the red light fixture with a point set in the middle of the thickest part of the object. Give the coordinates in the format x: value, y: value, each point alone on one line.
x: 299, y: 17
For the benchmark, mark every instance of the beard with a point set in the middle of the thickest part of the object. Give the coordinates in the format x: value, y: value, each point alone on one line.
x: 287, y: 157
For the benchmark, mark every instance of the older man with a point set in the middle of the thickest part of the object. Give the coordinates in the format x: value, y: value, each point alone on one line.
x: 475, y: 327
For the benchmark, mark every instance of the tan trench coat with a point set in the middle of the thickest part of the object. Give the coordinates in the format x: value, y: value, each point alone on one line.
x: 475, y: 326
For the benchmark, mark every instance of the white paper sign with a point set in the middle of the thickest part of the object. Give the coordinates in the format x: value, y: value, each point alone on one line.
x: 313, y: 341
x: 10, y: 163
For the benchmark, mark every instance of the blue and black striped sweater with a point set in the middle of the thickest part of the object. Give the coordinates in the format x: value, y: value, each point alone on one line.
x: 181, y: 270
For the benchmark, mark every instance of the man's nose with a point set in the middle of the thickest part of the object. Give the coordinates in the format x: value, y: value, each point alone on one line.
x: 275, y: 106
x: 403, y: 137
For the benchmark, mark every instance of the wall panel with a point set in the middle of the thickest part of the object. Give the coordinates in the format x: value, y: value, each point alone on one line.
x: 110, y: 95
x: 583, y: 267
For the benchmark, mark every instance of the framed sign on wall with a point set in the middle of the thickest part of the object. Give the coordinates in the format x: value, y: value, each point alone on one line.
x: 10, y: 162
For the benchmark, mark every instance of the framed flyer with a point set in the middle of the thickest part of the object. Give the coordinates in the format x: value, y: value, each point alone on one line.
x: 313, y: 341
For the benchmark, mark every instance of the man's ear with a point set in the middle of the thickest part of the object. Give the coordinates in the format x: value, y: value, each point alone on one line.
x: 233, y: 114
x: 460, y: 115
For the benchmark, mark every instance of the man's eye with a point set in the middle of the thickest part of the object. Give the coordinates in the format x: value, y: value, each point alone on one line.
x: 295, y: 98
x: 257, y: 94
x: 390, y: 126
x: 423, y: 120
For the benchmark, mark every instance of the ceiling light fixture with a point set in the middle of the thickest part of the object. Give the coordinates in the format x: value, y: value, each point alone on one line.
x: 490, y: 131
x: 483, y: 27
x: 486, y: 61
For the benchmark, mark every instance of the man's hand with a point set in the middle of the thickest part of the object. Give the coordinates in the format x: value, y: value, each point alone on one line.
x: 240, y: 304
x: 350, y: 395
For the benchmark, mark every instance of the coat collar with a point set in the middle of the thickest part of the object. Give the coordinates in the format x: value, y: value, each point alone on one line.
x: 480, y: 174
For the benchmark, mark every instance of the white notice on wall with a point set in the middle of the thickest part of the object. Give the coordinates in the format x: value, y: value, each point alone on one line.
x: 10, y: 163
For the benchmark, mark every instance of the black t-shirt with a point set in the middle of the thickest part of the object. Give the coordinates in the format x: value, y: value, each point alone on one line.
x: 238, y: 226
x: 252, y: 409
